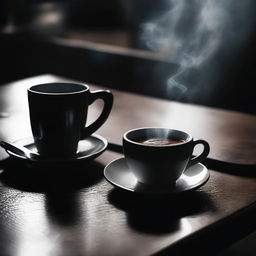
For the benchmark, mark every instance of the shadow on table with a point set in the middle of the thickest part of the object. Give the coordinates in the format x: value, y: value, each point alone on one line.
x: 243, y: 170
x: 51, y: 178
x: 159, y: 214
x: 63, y: 209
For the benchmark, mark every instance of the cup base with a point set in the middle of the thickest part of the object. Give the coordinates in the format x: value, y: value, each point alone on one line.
x: 56, y: 153
x: 158, y: 185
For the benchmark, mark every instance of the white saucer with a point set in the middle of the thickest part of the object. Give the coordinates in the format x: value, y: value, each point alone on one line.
x: 88, y: 149
x: 119, y: 175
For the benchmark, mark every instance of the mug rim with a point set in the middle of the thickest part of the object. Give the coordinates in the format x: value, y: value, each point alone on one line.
x: 189, y: 137
x: 84, y: 88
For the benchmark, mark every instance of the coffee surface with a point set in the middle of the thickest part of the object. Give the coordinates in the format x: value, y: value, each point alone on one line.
x: 160, y: 142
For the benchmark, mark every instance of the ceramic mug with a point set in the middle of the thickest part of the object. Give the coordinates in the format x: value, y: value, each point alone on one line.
x: 159, y: 156
x: 58, y: 114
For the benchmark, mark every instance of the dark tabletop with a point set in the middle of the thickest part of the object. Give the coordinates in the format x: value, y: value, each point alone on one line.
x: 73, y: 210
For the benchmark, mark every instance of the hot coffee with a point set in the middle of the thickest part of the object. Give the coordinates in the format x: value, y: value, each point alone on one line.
x: 159, y: 156
x: 160, y: 142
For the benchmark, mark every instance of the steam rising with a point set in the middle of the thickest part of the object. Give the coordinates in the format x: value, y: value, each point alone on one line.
x: 191, y: 32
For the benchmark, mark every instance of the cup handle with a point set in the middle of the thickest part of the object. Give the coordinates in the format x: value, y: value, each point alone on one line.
x: 107, y: 98
x: 202, y: 156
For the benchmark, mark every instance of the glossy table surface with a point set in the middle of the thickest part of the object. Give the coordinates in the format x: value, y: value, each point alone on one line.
x: 73, y: 210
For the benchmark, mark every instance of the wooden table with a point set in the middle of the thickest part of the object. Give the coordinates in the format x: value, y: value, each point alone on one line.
x: 75, y: 211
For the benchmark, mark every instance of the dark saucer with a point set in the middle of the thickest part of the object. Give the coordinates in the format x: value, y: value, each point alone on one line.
x: 119, y: 175
x: 88, y: 149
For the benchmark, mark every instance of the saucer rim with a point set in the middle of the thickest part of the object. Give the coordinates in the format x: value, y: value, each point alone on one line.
x: 154, y: 190
x: 66, y: 160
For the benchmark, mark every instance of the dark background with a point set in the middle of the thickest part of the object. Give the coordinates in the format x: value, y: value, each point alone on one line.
x: 30, y: 45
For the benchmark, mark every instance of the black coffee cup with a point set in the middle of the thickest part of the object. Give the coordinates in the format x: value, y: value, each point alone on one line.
x: 58, y: 114
x: 159, y: 156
